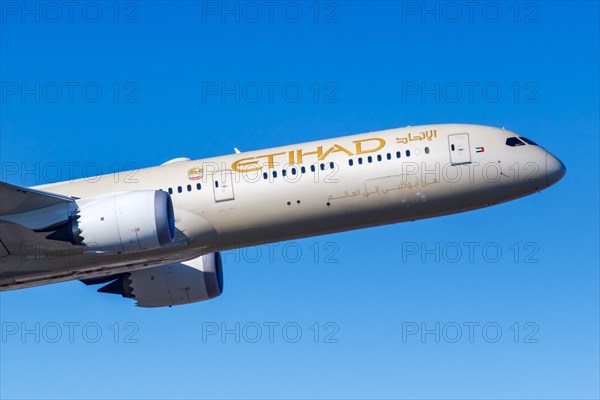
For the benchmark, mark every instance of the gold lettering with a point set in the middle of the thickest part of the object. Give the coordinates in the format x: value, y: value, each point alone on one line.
x: 301, y: 154
x: 239, y: 165
x: 360, y: 150
x: 270, y: 159
x: 335, y: 149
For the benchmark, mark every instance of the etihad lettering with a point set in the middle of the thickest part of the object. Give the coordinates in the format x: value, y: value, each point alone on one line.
x: 336, y: 148
x: 246, y: 165
x: 361, y: 150
x: 301, y: 156
x: 271, y: 159
x: 423, y: 135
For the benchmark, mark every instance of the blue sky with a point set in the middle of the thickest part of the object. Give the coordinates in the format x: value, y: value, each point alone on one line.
x: 107, y: 85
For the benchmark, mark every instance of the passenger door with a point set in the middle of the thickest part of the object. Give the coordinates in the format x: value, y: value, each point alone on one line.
x: 460, y: 150
x: 222, y: 183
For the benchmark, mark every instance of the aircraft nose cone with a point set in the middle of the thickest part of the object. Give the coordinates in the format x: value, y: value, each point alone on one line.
x: 555, y: 169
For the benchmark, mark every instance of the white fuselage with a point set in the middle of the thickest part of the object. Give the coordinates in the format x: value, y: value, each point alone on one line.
x: 309, y: 189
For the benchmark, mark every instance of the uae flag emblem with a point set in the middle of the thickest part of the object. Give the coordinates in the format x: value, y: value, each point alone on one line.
x: 479, y: 149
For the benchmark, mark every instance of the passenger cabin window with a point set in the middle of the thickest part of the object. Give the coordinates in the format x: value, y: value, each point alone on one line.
x: 170, y: 190
x: 426, y: 150
x: 179, y: 190
x: 528, y: 141
x: 514, y: 141
x: 189, y: 188
x: 198, y: 186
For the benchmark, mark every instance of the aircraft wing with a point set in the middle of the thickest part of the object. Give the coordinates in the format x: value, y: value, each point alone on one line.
x: 26, y: 213
x: 17, y: 200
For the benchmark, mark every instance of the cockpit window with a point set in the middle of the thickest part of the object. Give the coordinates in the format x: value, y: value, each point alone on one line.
x: 528, y: 141
x: 514, y: 141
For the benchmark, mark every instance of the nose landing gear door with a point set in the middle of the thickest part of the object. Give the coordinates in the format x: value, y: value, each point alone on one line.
x: 222, y: 183
x: 460, y: 150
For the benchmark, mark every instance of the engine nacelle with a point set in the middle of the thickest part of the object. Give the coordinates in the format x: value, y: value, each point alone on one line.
x: 174, y: 284
x: 125, y: 222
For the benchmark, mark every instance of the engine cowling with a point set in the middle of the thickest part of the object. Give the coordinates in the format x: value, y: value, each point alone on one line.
x: 125, y: 222
x: 174, y: 284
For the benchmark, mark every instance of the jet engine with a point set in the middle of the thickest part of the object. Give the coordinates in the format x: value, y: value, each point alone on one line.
x: 169, y: 285
x: 122, y: 222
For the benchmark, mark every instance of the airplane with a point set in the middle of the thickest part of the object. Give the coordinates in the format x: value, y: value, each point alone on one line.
x: 155, y: 235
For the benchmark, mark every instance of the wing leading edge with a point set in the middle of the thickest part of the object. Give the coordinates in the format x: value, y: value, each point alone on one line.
x: 24, y: 212
x: 19, y: 200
